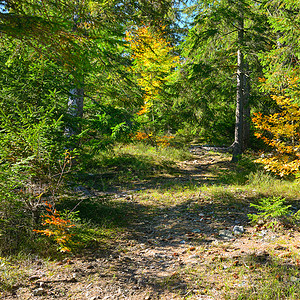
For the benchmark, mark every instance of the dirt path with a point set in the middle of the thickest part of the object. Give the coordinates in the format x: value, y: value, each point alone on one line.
x: 170, y: 251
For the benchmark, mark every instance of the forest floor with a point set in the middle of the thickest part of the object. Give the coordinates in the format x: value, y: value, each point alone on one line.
x: 177, y: 243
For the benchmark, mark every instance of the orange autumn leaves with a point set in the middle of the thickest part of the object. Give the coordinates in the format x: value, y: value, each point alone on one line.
x: 281, y: 131
x: 159, y: 141
x: 58, y: 228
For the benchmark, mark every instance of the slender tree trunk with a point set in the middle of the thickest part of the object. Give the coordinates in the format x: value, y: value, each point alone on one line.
x: 75, y: 109
x: 76, y: 99
x: 238, y: 133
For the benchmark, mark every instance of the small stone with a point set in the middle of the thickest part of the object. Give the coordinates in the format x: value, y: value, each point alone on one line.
x: 260, y: 222
x: 280, y: 247
x: 215, y: 243
x: 129, y: 197
x: 243, y: 283
x: 38, y: 292
x: 294, y: 279
x: 262, y: 233
x: 148, y: 297
x: 75, y: 277
x: 262, y: 255
x: 226, y: 234
x: 89, y: 267
x: 196, y: 230
x: 237, y: 230
x: 182, y: 242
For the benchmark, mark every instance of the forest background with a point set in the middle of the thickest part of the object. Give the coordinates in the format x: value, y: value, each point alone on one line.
x: 80, y: 77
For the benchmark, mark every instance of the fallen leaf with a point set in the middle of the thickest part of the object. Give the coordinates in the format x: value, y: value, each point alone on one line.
x: 235, y: 263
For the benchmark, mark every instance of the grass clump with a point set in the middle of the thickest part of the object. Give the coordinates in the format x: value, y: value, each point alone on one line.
x: 270, y: 185
x: 14, y: 271
x: 270, y: 279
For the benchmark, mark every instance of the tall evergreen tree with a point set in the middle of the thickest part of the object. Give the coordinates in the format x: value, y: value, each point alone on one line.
x: 227, y: 35
x: 281, y: 62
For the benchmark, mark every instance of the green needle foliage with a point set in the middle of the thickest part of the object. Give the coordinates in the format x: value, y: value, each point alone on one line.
x: 271, y: 210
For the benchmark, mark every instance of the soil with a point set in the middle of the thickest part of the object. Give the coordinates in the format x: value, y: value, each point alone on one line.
x: 149, y: 259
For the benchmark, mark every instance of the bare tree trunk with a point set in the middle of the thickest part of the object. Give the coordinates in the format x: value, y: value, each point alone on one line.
x: 75, y: 109
x: 76, y: 99
x: 238, y: 133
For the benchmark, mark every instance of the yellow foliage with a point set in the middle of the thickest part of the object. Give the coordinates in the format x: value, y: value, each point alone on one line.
x: 281, y: 131
x: 164, y: 141
x: 261, y: 79
x: 152, y: 60
x: 144, y: 109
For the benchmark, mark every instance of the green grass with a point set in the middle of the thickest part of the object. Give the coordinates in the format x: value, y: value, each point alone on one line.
x: 244, y: 278
x: 130, y: 164
x: 14, y: 271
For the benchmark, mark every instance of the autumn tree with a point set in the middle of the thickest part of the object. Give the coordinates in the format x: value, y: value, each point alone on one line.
x: 153, y: 61
x: 281, y: 131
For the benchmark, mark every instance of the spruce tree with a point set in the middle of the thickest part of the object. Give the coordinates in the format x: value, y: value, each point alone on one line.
x: 227, y: 36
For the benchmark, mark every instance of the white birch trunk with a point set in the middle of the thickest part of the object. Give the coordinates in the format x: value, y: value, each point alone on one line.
x: 238, y: 133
